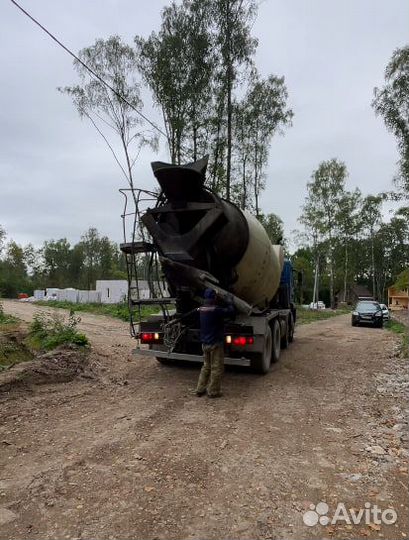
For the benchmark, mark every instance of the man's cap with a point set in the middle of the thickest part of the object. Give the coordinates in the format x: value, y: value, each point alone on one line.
x: 209, y: 294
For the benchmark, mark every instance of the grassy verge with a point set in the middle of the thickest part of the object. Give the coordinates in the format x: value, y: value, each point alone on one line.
x: 306, y: 316
x: 12, y: 350
x: 119, y: 311
x: 399, y: 328
x: 45, y: 333
x: 5, y: 319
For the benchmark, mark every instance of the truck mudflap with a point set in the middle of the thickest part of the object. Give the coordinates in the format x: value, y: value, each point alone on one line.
x: 190, y: 357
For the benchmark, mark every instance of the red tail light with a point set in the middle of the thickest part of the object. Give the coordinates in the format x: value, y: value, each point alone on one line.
x: 240, y: 341
x: 149, y: 337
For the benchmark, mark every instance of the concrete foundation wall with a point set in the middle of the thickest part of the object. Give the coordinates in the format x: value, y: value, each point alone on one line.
x: 67, y: 295
x: 89, y: 297
x: 112, y: 291
x: 39, y: 294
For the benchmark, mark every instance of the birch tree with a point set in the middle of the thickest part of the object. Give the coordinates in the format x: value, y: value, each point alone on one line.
x: 261, y: 114
x: 108, y: 112
x: 177, y: 65
x: 371, y: 219
x: 326, y: 191
x: 348, y: 224
x: 232, y: 20
x: 392, y: 103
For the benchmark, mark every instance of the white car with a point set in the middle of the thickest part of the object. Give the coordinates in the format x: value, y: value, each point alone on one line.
x: 385, y: 312
x: 317, y: 305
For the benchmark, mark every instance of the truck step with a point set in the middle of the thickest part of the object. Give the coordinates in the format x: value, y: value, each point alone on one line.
x: 137, y: 247
x: 153, y: 301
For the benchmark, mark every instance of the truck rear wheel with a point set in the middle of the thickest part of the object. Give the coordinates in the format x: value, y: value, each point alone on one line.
x: 262, y: 362
x: 276, y: 334
x: 285, y: 338
x: 291, y: 328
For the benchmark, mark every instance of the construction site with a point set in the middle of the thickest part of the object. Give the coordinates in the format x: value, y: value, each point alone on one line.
x: 204, y: 270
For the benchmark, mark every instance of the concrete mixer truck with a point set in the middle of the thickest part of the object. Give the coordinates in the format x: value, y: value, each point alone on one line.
x: 187, y: 239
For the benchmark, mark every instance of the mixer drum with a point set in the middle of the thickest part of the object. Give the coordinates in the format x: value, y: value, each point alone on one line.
x: 194, y: 230
x: 259, y: 269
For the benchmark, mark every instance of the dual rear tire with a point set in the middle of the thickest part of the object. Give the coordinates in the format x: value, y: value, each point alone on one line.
x: 288, y: 334
x: 272, y: 347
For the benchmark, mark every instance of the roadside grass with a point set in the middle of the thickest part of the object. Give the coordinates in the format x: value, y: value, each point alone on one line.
x: 46, y: 332
x: 12, y: 350
x: 306, y: 316
x: 121, y: 311
x: 118, y: 311
x: 399, y: 328
x: 5, y: 319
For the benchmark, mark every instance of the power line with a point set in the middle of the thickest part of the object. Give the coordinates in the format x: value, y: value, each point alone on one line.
x: 93, y: 73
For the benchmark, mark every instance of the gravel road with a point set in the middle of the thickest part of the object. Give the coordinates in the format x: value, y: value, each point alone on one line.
x: 132, y: 454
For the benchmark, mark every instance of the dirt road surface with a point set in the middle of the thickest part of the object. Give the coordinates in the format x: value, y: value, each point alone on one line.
x: 132, y: 454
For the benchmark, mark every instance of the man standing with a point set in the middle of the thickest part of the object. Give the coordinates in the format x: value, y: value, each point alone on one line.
x: 212, y: 338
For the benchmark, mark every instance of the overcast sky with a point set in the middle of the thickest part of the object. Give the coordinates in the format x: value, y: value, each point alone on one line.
x: 57, y: 177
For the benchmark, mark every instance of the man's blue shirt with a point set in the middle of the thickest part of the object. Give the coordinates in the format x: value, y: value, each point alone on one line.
x: 212, y: 323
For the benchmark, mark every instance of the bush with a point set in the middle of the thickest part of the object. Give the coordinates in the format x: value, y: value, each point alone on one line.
x: 49, y: 331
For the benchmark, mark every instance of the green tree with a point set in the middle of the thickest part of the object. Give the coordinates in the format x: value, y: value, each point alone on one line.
x: 176, y: 63
x: 2, y: 238
x: 35, y: 266
x: 193, y: 65
x: 312, y: 240
x: 392, y: 103
x: 13, y: 271
x: 90, y: 248
x: 326, y: 192
x: 304, y: 261
x: 232, y: 20
x: 371, y: 217
x: 274, y: 227
x: 262, y: 113
x: 348, y: 217
x: 402, y: 280
x: 100, y: 258
x: 57, y: 259
x: 114, y: 62
x: 77, y: 266
x: 391, y: 253
x: 15, y: 259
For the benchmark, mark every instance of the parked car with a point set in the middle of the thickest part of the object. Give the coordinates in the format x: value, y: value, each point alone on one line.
x: 367, y: 312
x: 385, y: 312
x: 317, y: 305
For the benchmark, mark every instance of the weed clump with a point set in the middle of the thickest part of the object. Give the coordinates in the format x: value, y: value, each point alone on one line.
x: 49, y: 331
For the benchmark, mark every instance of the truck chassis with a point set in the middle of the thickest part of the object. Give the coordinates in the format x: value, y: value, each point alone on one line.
x: 253, y: 341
